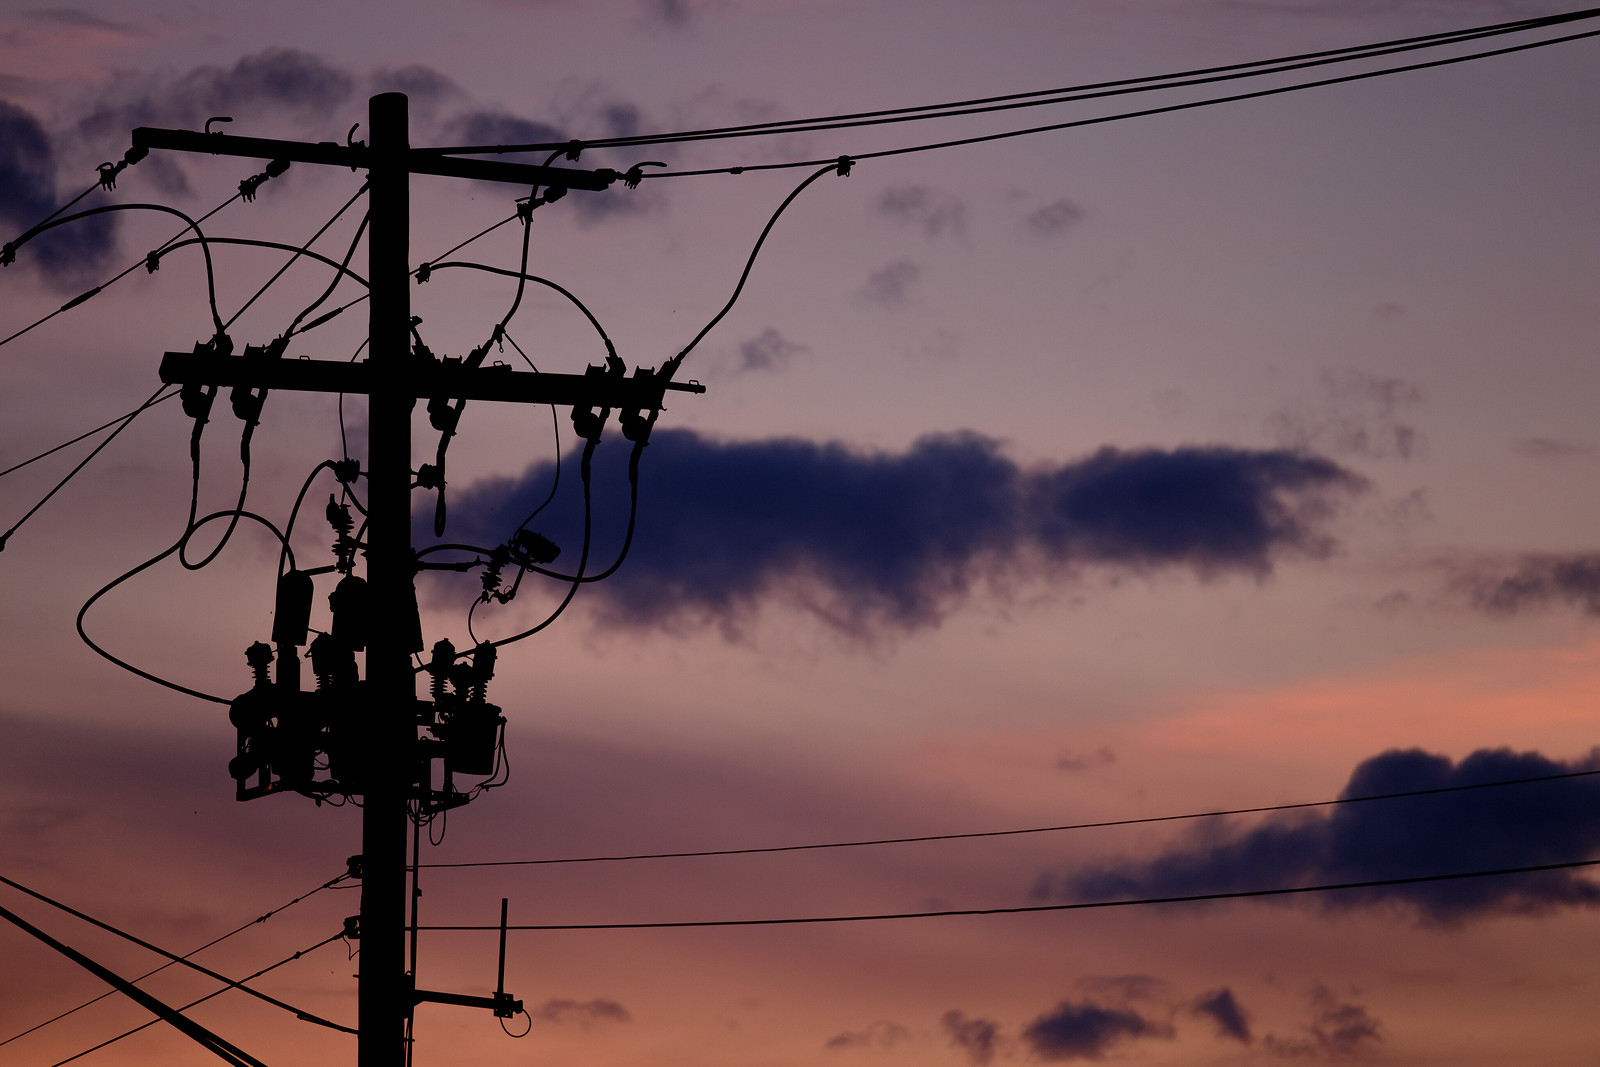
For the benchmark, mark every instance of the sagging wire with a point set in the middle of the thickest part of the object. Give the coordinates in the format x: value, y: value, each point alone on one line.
x: 193, y: 528
x: 125, y: 420
x: 546, y: 282
x: 330, y: 884
x: 253, y: 242
x: 75, y: 301
x: 303, y: 250
x: 211, y: 280
x: 445, y: 414
x: 90, y: 433
x: 201, y: 1000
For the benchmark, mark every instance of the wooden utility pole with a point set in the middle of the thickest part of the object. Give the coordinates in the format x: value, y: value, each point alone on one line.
x: 392, y: 768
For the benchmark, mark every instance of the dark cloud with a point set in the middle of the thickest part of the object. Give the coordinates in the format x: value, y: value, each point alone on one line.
x: 978, y: 1038
x: 424, y: 87
x: 929, y: 210
x: 1536, y: 581
x: 1086, y: 1031
x: 898, y: 539
x: 584, y: 1013
x: 499, y: 128
x: 1549, y: 448
x: 1055, y: 217
x: 1338, y: 1029
x: 881, y: 1034
x: 674, y: 13
x: 891, y: 286
x: 1477, y: 829
x: 1222, y: 1008
x: 769, y: 350
x: 1359, y: 415
x: 28, y: 196
x: 1100, y: 757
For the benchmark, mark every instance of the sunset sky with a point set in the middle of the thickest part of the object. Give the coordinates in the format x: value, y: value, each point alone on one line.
x: 1232, y: 457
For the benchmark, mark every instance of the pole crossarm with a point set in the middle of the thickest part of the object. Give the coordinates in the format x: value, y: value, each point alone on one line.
x: 427, y: 380
x: 359, y: 157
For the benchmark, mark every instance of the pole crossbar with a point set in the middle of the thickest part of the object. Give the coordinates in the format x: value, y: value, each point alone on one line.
x: 360, y: 157
x: 426, y: 380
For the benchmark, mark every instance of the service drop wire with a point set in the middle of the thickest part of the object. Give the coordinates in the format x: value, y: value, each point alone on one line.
x: 75, y: 301
x: 211, y: 279
x: 172, y: 957
x: 201, y: 1000
x: 838, y: 121
x: 90, y: 433
x: 1168, y: 109
x: 583, y: 557
x: 156, y: 970
x: 146, y: 565
x: 294, y: 512
x: 343, y: 267
x: 303, y: 250
x: 126, y: 420
x: 453, y: 419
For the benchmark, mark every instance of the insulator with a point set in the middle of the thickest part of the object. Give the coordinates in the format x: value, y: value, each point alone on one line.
x: 483, y: 658
x: 333, y: 662
x: 444, y: 657
x: 259, y: 656
x: 490, y: 577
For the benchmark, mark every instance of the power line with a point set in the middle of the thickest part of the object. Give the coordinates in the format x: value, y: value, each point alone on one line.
x: 214, y: 941
x: 1117, y: 117
x: 1043, y: 97
x: 1186, y: 898
x: 126, y: 421
x: 1027, y: 830
x: 171, y: 956
x: 201, y: 1000
x: 89, y: 433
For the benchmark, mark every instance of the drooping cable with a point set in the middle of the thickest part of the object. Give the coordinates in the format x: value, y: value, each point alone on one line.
x: 126, y: 421
x: 153, y: 971
x: 1144, y: 821
x: 171, y: 957
x: 1085, y: 905
x: 152, y: 561
x: 546, y: 282
x: 303, y: 250
x: 75, y: 301
x: 193, y: 224
x: 90, y: 433
x: 343, y: 267
x: 201, y: 1000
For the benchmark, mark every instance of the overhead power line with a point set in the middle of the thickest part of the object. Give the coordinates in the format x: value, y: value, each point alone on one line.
x: 1046, y: 97
x: 214, y: 941
x: 1026, y: 830
x: 171, y: 956
x: 1188, y: 105
x: 1184, y: 898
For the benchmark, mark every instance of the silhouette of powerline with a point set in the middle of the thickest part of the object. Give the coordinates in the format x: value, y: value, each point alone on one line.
x: 1183, y: 898
x: 331, y: 883
x: 1144, y: 820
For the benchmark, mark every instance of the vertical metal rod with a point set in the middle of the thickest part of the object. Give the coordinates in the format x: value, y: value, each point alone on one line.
x: 387, y: 719
x: 500, y: 987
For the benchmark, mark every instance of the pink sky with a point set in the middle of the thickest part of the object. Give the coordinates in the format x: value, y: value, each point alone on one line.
x: 1169, y: 465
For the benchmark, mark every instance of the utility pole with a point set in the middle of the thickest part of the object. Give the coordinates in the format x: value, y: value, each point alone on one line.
x: 389, y: 722
x: 391, y: 768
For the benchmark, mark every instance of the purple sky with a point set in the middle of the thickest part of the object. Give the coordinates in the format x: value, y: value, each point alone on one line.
x: 1233, y: 457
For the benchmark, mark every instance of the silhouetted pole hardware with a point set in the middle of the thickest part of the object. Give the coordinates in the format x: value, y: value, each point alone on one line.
x: 370, y: 732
